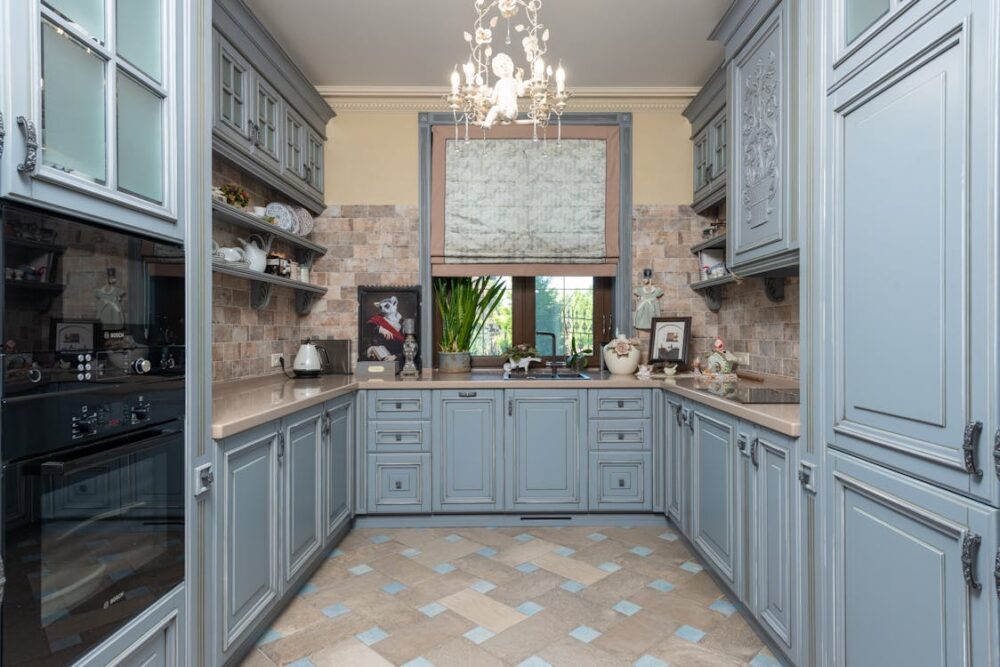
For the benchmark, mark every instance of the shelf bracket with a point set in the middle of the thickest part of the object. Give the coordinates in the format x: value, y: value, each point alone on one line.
x: 713, y: 297
x: 774, y: 289
x: 304, y: 301
x: 260, y: 294
x: 305, y: 257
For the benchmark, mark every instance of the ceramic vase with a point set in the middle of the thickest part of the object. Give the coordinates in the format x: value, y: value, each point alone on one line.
x: 454, y: 362
x: 621, y: 365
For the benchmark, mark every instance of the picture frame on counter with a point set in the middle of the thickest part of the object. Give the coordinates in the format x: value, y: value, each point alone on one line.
x: 670, y: 340
x: 381, y: 312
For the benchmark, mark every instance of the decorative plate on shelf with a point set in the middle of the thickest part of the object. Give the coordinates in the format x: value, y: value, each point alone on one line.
x: 284, y: 217
x: 306, y: 222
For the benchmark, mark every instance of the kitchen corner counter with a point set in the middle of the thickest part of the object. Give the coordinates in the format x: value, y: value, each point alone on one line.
x: 240, y: 405
x: 243, y: 404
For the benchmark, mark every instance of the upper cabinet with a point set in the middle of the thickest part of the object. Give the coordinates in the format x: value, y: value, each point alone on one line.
x: 269, y: 120
x: 709, y: 134
x: 91, y: 109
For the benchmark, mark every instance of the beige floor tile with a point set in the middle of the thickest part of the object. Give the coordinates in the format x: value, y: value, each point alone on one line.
x: 570, y: 568
x: 601, y: 552
x: 487, y: 537
x: 445, y: 552
x: 486, y: 568
x: 350, y: 652
x: 256, y: 659
x: 632, y: 636
x: 407, y: 643
x: 418, y: 538
x: 481, y: 610
x: 574, y: 653
x: 682, y: 653
x: 315, y: 638
x: 569, y: 610
x: 404, y: 570
x: 436, y: 588
x: 460, y: 652
x: 525, y: 552
x: 526, y: 587
x: 616, y: 587
x: 527, y: 638
x: 299, y: 615
x: 700, y: 588
x: 734, y: 636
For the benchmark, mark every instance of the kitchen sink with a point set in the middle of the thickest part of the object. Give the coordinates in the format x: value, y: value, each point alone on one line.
x: 546, y: 376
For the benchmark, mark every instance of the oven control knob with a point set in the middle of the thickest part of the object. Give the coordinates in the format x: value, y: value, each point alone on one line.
x: 142, y: 366
x: 35, y: 375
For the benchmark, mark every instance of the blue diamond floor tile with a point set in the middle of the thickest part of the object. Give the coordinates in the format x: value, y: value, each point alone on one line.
x: 483, y: 586
x: 335, y: 610
x: 533, y: 661
x: 394, y: 587
x: 419, y: 662
x: 691, y: 634
x: 661, y: 585
x: 565, y: 551
x: 724, y: 607
x: 524, y: 537
x: 358, y: 570
x: 649, y: 661
x: 642, y: 551
x: 526, y: 568
x: 530, y: 608
x: 584, y: 634
x: 627, y: 608
x: 372, y: 636
x: 487, y: 552
x: 572, y: 586
x: 478, y: 635
x: 271, y: 635
x: 410, y: 553
x: 433, y: 609
x: 609, y: 567
x: 444, y: 568
x: 692, y: 566
x: 380, y: 539
x: 597, y: 537
x: 453, y: 538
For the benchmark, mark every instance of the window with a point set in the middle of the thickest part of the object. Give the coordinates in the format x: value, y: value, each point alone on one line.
x: 570, y: 307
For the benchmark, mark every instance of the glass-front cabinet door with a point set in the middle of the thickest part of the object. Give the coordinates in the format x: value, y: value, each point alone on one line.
x: 314, y: 163
x: 90, y: 110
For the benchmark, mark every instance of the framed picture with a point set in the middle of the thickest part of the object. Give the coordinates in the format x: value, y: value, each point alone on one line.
x: 669, y: 340
x: 381, y: 313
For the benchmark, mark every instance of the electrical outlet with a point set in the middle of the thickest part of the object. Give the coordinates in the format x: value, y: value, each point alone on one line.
x: 742, y: 358
x: 275, y: 360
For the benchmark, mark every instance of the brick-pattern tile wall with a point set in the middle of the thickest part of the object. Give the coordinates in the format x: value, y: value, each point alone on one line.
x: 768, y: 331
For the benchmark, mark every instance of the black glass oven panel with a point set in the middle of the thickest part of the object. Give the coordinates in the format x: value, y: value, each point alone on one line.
x: 92, y: 537
x: 86, y: 304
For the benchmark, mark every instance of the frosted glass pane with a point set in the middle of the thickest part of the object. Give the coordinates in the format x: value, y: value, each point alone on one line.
x: 88, y: 14
x: 74, y: 137
x: 140, y: 140
x: 861, y: 14
x: 139, y: 32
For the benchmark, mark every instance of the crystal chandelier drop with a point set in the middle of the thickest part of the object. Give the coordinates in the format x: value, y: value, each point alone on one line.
x: 493, y: 85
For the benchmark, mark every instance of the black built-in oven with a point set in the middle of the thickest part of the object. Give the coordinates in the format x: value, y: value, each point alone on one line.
x: 91, y: 432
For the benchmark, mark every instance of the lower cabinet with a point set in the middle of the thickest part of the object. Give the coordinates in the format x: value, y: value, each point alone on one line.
x: 399, y: 483
x: 676, y: 460
x: 621, y: 481
x: 909, y: 560
x: 248, y: 545
x: 338, y: 464
x: 468, y: 451
x: 714, y: 499
x: 545, y: 450
x: 300, y: 451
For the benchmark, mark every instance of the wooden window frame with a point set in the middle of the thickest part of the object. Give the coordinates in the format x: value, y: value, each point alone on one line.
x: 523, y: 316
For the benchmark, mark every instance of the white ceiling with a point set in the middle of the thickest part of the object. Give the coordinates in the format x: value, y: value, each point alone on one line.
x: 415, y: 43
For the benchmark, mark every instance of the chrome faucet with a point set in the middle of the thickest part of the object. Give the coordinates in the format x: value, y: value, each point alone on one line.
x: 553, y: 364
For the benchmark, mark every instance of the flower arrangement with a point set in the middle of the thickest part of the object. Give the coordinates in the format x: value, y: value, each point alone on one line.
x: 520, y: 351
x: 235, y: 195
x: 622, y: 347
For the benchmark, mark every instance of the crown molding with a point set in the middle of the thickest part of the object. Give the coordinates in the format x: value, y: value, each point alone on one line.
x: 431, y: 98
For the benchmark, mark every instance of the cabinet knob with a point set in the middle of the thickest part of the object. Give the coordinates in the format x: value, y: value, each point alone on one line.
x: 399, y: 406
x: 621, y: 436
x: 621, y: 404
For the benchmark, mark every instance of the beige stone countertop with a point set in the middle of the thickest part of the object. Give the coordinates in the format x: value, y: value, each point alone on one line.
x: 240, y: 405
x: 243, y: 404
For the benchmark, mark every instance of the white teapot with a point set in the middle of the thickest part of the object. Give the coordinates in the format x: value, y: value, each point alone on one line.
x: 256, y: 252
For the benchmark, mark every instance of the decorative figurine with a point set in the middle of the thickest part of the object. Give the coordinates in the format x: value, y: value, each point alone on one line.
x: 520, y: 357
x: 409, y: 349
x: 648, y: 306
x: 720, y: 361
x: 508, y: 88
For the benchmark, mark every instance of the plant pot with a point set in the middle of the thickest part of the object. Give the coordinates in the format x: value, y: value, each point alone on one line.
x: 454, y: 362
x: 622, y: 365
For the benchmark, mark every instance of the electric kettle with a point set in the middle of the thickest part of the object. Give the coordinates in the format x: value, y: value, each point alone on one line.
x: 307, y: 360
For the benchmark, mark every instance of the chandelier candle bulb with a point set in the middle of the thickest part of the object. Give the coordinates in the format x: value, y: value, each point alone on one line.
x: 468, y: 73
x: 456, y: 81
x: 560, y: 80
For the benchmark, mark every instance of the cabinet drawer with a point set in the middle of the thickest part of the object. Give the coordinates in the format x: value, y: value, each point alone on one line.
x: 399, y: 436
x: 388, y: 404
x: 618, y: 403
x: 399, y: 483
x: 618, y: 434
x: 621, y: 481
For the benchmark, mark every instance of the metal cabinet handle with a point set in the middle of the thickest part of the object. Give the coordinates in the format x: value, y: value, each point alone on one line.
x: 741, y: 443
x: 754, y: 446
x: 466, y: 394
x: 621, y: 404
x: 3, y: 133
x: 970, y: 549
x: 677, y: 416
x: 996, y: 453
x: 30, y: 163
x: 996, y: 573
x: 281, y: 447
x: 804, y: 477
x: 327, y: 423
x: 307, y: 173
x: 970, y: 443
x: 510, y: 407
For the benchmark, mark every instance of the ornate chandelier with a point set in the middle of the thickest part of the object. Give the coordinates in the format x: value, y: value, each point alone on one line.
x: 493, y: 86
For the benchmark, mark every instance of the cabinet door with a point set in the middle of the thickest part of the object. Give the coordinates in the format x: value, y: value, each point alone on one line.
x: 399, y: 483
x: 760, y: 227
x: 265, y: 126
x: 909, y: 561
x: 701, y: 164
x: 314, y: 173
x: 294, y: 161
x: 676, y: 474
x: 248, y: 578
x: 719, y: 134
x: 621, y: 482
x: 300, y: 455
x: 234, y: 95
x: 714, y: 507
x: 339, y: 444
x: 772, y: 534
x: 468, y: 451
x: 910, y: 161
x: 546, y: 443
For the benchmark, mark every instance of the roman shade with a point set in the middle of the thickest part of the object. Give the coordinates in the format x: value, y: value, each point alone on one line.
x: 508, y: 205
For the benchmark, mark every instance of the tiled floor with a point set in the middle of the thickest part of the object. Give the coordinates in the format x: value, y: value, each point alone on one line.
x: 509, y: 596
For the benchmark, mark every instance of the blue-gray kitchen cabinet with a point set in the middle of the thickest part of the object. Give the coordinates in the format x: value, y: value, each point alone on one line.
x: 771, y: 535
x: 710, y: 138
x: 676, y: 461
x: 912, y: 334
x: 715, y: 511
x: 762, y: 228
x: 546, y: 445
x: 338, y: 464
x: 248, y: 540
x: 468, y: 451
x: 621, y: 481
x: 911, y: 574
x: 101, y: 139
x: 399, y: 483
x: 300, y: 456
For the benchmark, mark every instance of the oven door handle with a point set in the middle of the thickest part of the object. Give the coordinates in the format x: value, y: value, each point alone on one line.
x: 90, y: 459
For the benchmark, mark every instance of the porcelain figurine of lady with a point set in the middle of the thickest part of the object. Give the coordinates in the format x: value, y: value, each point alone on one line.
x: 648, y: 306
x: 508, y: 88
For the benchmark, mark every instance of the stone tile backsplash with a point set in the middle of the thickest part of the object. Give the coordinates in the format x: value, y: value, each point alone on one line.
x: 378, y: 245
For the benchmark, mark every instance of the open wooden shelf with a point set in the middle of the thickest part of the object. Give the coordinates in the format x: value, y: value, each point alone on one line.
x: 713, y: 243
x: 306, y: 252
x: 262, y: 284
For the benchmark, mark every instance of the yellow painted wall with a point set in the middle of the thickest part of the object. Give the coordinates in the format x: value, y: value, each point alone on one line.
x: 372, y: 156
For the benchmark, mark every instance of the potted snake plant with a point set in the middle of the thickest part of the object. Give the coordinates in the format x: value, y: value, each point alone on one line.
x: 465, y: 304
